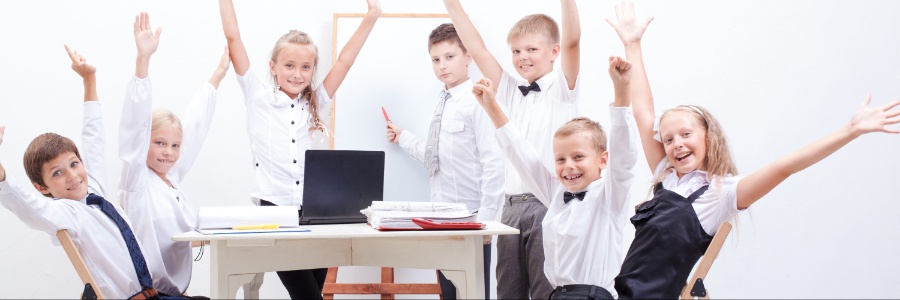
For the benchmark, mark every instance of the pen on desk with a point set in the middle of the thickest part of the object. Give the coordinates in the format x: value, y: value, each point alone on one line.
x: 256, y: 227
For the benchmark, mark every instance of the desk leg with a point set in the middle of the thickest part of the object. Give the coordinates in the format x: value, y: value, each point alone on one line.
x: 469, y: 282
x: 251, y: 289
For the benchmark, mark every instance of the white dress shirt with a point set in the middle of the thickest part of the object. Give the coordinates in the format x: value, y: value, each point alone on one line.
x: 470, y: 166
x: 279, y: 137
x: 537, y: 116
x: 157, y: 211
x: 718, y: 204
x: 95, y: 235
x: 582, y: 239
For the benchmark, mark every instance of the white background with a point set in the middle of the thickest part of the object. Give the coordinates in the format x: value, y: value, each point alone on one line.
x: 777, y: 74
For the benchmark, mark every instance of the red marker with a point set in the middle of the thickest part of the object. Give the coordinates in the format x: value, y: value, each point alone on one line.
x: 385, y: 115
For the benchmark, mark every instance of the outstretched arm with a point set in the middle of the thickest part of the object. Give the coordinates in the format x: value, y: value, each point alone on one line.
x: 224, y: 63
x: 233, y: 35
x: 147, y: 41
x: 570, y: 42
x: 865, y: 120
x: 351, y: 50
x: 484, y: 93
x: 87, y: 73
x: 620, y: 73
x: 630, y: 32
x: 471, y: 39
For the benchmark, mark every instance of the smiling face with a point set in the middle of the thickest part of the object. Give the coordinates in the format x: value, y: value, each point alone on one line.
x: 165, y: 148
x: 64, y: 177
x: 450, y: 63
x: 533, y: 55
x: 684, y: 140
x: 293, y: 67
x: 578, y: 161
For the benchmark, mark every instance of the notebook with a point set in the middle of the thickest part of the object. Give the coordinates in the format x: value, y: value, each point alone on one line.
x: 337, y: 184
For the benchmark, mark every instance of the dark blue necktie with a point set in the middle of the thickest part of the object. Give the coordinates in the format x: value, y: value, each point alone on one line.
x: 568, y: 196
x: 528, y: 88
x: 137, y: 258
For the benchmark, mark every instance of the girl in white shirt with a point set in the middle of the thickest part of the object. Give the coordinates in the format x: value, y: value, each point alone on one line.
x: 154, y: 163
x: 283, y: 115
x: 696, y: 186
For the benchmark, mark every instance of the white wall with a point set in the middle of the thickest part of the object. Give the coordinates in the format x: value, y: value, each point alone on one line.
x: 777, y: 74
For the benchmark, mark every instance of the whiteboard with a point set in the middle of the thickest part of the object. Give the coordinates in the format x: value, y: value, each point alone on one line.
x: 393, y: 70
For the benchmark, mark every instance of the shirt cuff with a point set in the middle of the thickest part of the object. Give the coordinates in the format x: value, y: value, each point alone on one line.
x: 619, y: 115
x: 405, y: 138
x: 486, y: 214
x: 92, y: 109
x: 6, y: 186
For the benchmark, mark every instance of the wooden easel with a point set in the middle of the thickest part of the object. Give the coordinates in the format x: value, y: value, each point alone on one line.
x: 387, y: 288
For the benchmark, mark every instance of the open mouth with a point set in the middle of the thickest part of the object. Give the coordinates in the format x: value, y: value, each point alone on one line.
x: 683, y: 156
x: 572, y: 177
x: 75, y: 186
x: 165, y: 161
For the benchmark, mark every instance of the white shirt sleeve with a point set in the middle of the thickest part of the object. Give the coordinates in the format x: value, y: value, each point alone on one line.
x: 195, y: 125
x: 413, y: 145
x: 492, y: 166
x: 38, y: 212
x: 134, y: 134
x: 622, y: 157
x: 93, y: 148
x: 535, y: 176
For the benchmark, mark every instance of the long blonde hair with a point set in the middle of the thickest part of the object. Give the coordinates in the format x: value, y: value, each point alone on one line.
x: 163, y: 118
x: 719, y: 161
x: 298, y: 37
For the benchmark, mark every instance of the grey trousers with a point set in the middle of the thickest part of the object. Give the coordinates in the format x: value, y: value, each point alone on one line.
x: 520, y: 258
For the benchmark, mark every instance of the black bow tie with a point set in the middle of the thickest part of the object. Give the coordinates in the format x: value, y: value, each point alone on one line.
x: 526, y: 89
x: 568, y: 196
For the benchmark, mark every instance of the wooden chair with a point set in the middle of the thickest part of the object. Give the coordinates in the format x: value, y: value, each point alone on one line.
x: 387, y: 288
x: 90, y: 285
x: 695, y: 287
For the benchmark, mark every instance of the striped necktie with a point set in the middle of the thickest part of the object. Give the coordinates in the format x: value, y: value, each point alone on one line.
x: 431, y: 145
x: 137, y: 257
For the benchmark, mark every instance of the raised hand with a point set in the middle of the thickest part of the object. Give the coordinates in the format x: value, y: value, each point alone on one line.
x: 374, y: 7
x: 224, y: 64
x: 79, y: 63
x: 627, y: 27
x: 619, y: 71
x: 874, y: 119
x: 146, y: 40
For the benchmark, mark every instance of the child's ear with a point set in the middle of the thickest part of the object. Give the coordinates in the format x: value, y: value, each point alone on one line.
x: 468, y: 59
x: 555, y: 51
x: 42, y: 189
x: 272, y: 67
x: 604, y: 159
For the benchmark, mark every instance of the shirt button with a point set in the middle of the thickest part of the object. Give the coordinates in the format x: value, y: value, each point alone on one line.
x: 293, y: 141
x: 257, y: 164
x: 292, y: 122
x: 295, y: 161
x: 298, y: 182
x: 292, y: 105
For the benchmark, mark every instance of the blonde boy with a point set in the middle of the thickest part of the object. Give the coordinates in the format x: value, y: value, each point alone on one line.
x: 540, y: 104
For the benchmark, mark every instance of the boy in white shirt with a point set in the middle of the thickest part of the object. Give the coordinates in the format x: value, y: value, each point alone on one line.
x: 540, y: 104
x: 460, y: 153
x: 99, y: 229
x: 586, y: 212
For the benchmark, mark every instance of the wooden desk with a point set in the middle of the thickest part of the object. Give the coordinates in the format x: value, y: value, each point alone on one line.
x: 237, y: 259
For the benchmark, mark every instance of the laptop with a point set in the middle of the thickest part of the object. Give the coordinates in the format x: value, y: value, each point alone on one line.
x: 337, y: 184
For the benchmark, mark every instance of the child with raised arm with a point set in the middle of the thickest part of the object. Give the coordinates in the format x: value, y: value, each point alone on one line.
x: 460, y: 153
x: 73, y: 188
x: 538, y: 106
x: 282, y: 115
x: 696, y: 184
x: 157, y: 152
x: 586, y: 211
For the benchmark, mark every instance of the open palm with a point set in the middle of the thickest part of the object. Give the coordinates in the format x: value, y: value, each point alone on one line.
x: 146, y: 40
x: 871, y: 119
x: 626, y: 25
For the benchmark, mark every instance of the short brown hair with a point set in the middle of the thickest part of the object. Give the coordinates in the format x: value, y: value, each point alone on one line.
x: 588, y: 127
x: 445, y: 33
x: 42, y: 149
x: 537, y: 24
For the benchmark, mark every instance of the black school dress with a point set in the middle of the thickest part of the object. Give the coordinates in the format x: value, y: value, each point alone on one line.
x: 668, y: 241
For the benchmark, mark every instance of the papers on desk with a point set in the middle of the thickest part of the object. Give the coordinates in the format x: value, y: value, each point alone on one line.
x: 384, y: 215
x: 224, y: 219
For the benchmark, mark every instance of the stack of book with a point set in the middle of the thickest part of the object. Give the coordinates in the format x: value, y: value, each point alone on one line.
x: 385, y: 215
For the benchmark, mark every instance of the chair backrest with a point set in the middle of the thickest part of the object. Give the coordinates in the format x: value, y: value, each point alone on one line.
x: 75, y: 257
x: 696, y: 281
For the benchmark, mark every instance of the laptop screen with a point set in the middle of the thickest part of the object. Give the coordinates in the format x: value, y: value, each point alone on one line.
x: 337, y: 184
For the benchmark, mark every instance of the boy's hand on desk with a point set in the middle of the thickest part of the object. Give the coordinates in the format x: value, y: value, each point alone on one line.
x: 488, y: 239
x: 393, y: 132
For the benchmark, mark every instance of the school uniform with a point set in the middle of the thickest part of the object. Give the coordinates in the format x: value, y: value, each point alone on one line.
x: 470, y: 167
x: 95, y: 235
x: 582, y: 237
x: 673, y: 230
x: 278, y: 127
x: 537, y: 115
x: 157, y: 211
